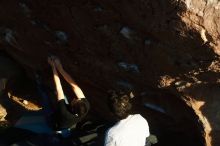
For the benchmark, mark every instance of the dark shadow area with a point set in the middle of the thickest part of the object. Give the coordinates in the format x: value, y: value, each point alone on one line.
x: 209, y: 95
x: 12, y: 73
x: 170, y: 119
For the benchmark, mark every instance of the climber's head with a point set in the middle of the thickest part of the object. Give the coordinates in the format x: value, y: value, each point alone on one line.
x: 119, y: 104
x: 80, y: 107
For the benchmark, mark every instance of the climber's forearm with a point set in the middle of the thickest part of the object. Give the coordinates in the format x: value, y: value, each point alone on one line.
x: 69, y: 79
x: 60, y: 94
x: 79, y: 93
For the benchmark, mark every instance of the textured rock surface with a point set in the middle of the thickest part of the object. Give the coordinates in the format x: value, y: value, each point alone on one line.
x: 203, y: 17
x: 164, y: 50
x: 3, y: 113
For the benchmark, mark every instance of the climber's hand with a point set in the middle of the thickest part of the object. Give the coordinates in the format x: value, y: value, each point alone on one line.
x: 50, y: 60
x: 57, y: 62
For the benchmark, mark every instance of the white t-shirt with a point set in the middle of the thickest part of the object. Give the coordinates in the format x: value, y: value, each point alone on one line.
x: 131, y: 131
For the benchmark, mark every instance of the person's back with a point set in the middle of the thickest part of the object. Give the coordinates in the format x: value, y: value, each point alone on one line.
x: 131, y: 131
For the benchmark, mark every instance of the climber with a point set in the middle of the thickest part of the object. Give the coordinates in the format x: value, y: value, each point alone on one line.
x: 130, y: 129
x: 67, y: 114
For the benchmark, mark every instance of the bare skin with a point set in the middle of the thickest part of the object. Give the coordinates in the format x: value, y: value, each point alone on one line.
x: 59, y: 89
x: 57, y: 66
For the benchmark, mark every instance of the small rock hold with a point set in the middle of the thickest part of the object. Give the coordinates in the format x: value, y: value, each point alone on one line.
x: 129, y: 67
x: 8, y: 35
x: 61, y: 36
x: 126, y: 32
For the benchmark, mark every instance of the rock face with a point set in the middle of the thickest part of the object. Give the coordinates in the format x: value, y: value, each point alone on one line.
x: 203, y: 17
x: 3, y: 113
x: 166, y: 51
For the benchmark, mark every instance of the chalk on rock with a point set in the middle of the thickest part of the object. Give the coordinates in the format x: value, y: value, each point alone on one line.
x: 134, y: 68
x: 126, y: 32
x: 129, y: 67
x: 123, y: 65
x: 61, y: 36
x: 8, y: 35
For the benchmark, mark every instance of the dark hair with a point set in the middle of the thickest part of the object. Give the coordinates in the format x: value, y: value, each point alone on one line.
x: 80, y: 107
x: 119, y: 104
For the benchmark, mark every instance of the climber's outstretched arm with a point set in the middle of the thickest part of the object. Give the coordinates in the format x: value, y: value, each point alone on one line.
x: 69, y: 79
x: 60, y: 94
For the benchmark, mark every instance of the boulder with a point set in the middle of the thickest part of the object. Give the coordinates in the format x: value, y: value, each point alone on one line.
x: 160, y: 49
